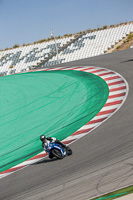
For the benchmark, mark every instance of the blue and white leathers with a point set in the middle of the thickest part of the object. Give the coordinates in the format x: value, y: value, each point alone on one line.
x: 49, y: 146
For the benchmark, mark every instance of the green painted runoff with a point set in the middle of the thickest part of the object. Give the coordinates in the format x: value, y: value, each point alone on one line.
x: 54, y: 103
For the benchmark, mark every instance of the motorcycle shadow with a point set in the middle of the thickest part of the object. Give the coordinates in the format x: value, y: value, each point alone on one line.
x: 46, y: 161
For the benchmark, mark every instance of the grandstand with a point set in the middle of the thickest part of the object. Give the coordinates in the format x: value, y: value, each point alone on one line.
x: 25, y: 58
x: 93, y: 44
x: 87, y: 44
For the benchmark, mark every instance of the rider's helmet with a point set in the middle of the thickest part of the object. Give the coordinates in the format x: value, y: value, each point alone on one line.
x: 42, y: 138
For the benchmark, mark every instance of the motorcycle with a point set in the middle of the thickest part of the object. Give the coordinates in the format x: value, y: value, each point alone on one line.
x: 56, y: 150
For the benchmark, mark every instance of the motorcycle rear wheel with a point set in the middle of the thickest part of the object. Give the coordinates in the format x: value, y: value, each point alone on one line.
x: 57, y: 153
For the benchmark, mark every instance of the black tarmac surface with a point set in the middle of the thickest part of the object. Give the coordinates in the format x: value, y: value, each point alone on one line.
x: 101, y: 162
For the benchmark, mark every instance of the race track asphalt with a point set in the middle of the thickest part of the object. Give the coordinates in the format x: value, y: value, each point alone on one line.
x: 102, y: 161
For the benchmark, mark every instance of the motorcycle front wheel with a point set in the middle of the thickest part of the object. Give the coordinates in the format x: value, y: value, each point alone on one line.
x: 57, y: 153
x: 69, y: 151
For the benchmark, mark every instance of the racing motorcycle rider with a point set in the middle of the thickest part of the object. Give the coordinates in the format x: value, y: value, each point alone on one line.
x: 46, y: 140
